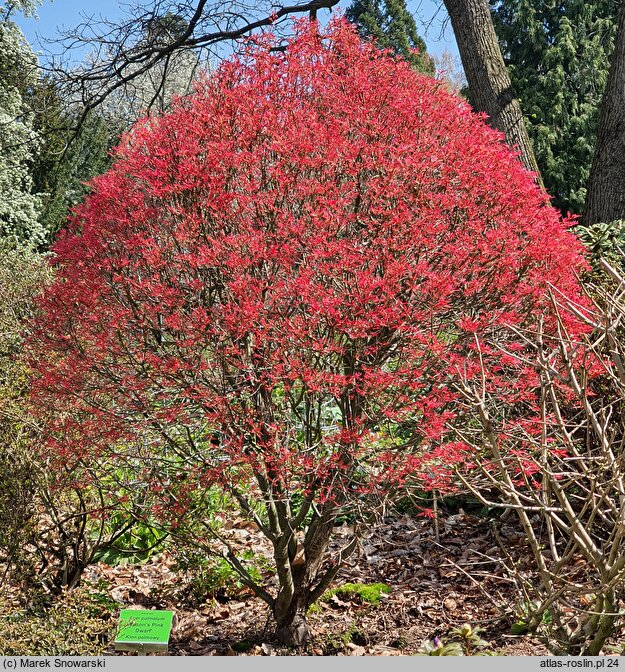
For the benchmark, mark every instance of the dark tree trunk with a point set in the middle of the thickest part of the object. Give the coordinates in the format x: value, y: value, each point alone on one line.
x: 291, y: 605
x: 605, y: 200
x: 490, y: 88
x: 291, y: 628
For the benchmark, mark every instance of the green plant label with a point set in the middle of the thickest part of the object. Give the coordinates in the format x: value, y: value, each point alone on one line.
x: 142, y: 630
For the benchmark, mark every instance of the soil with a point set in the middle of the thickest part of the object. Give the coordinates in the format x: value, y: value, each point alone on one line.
x: 441, y: 576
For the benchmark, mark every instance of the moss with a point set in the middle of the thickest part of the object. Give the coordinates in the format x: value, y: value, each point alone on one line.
x: 337, y: 642
x: 367, y: 593
x: 364, y: 593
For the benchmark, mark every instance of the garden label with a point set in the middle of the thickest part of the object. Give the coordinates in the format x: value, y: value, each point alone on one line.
x: 143, y: 630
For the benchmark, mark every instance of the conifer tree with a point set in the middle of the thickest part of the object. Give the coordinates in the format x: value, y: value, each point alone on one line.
x: 66, y: 159
x: 393, y: 27
x: 558, y: 53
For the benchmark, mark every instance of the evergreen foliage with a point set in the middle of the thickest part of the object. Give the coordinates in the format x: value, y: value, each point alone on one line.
x: 558, y: 53
x: 393, y: 27
x: 66, y: 160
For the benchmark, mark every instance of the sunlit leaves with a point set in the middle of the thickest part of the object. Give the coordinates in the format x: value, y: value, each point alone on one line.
x: 286, y: 276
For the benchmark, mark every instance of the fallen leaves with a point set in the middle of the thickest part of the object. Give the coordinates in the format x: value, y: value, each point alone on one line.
x: 430, y: 594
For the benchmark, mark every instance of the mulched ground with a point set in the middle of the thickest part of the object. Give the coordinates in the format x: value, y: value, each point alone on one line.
x: 439, y: 580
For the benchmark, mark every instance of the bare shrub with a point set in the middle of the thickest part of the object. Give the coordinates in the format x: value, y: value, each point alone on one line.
x: 566, y: 483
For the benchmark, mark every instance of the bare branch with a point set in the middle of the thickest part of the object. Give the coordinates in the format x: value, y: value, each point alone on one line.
x: 119, y: 53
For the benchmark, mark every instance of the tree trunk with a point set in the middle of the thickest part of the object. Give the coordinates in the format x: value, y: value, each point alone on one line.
x: 291, y: 627
x: 605, y: 199
x: 490, y: 88
x: 294, y: 598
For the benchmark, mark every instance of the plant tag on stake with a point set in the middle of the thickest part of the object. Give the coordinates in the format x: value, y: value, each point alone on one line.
x: 144, y: 631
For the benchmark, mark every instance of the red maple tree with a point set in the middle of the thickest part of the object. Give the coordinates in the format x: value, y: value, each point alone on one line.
x: 275, y: 286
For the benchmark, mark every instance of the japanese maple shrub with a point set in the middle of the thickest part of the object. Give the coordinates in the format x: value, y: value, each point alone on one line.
x: 274, y: 287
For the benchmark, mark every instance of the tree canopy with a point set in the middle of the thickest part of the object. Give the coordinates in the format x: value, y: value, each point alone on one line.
x: 558, y: 55
x: 392, y: 26
x: 19, y: 142
x: 273, y: 289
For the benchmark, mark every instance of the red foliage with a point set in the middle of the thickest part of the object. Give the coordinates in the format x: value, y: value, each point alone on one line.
x: 286, y: 274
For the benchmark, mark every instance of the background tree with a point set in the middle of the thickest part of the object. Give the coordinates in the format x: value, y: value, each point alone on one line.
x: 75, y: 147
x: 67, y: 146
x: 490, y: 89
x: 557, y: 54
x: 19, y: 206
x: 65, y: 159
x: 393, y: 27
x: 605, y: 201
x: 449, y: 69
x: 128, y: 50
x: 151, y: 91
x: 489, y: 81
x: 273, y: 289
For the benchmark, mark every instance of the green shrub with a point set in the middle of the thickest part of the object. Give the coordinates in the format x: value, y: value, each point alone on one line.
x: 23, y: 273
x: 604, y: 240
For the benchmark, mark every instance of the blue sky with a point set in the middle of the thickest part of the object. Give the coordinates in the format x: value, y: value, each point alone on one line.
x: 430, y: 16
